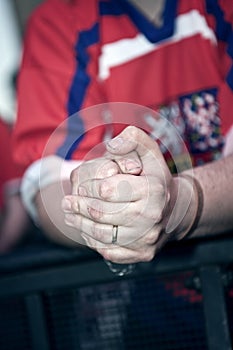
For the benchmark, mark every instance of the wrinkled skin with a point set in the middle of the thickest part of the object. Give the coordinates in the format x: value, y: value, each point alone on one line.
x: 130, y: 187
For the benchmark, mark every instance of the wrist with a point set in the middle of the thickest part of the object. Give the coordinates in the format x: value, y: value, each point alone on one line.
x: 185, y: 206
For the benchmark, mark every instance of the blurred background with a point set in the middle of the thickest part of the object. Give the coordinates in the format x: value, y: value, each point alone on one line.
x: 55, y: 298
x: 22, y: 9
x: 13, y: 18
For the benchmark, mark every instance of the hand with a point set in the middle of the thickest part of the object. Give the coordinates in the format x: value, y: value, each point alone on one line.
x: 99, y: 168
x: 139, y: 204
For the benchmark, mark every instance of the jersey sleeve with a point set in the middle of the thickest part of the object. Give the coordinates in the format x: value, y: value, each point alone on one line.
x: 43, y: 82
x: 48, y: 77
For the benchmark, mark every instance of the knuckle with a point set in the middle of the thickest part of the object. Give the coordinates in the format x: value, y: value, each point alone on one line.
x: 158, y: 216
x: 97, y: 232
x: 160, y: 186
x: 138, y: 211
x: 133, y: 130
x: 108, y: 168
x: 107, y: 254
x: 94, y: 214
x: 97, y: 206
x: 105, y: 189
x: 160, y: 190
x: 148, y: 255
x: 150, y: 238
x: 75, y: 206
x: 75, y: 221
x: 155, y: 215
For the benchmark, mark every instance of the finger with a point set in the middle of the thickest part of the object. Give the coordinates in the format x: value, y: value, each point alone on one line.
x: 99, y: 232
x: 149, y: 207
x: 124, y: 255
x: 103, y: 233
x: 112, y: 252
x: 142, y: 250
x: 131, y: 139
x: 162, y: 241
x: 128, y: 164
x: 134, y: 139
x: 98, y: 236
x: 98, y: 168
x: 118, y: 188
x: 99, y: 211
x: 94, y: 209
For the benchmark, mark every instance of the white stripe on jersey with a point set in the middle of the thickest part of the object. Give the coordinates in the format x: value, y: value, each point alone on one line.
x: 122, y: 51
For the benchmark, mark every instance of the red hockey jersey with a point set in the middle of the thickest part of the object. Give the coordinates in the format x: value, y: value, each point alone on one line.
x: 81, y: 53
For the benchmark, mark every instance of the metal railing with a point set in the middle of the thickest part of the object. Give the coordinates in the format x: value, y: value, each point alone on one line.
x: 55, y: 276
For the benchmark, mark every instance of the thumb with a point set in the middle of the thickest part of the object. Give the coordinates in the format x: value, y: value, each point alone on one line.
x: 130, y: 139
x: 134, y: 139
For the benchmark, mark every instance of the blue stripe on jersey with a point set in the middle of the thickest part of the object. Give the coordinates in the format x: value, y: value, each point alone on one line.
x: 230, y: 78
x: 223, y: 28
x: 81, y: 78
x: 75, y: 127
x: 110, y: 8
x: 153, y: 33
x: 224, y: 32
x: 230, y: 52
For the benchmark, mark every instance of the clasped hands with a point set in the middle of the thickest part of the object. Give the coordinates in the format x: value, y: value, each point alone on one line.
x: 130, y: 188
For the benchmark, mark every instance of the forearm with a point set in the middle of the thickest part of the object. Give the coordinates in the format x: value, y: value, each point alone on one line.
x: 51, y: 217
x: 216, y: 181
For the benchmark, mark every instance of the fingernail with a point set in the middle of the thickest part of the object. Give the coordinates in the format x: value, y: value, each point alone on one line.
x: 115, y: 143
x: 131, y: 165
x: 82, y: 191
x: 95, y: 214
